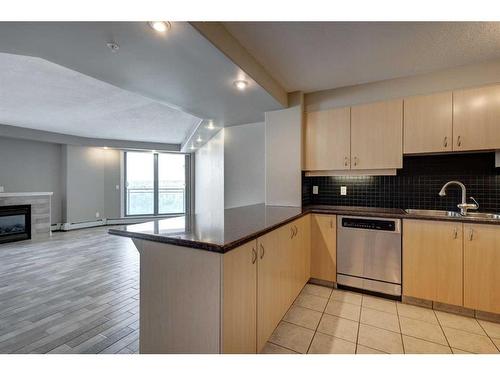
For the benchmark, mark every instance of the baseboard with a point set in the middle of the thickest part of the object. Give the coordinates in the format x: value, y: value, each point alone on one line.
x: 103, y: 222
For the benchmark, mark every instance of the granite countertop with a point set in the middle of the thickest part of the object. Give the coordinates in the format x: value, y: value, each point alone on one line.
x: 230, y: 228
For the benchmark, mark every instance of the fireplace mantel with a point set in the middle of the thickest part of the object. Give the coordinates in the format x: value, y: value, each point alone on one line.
x: 25, y: 194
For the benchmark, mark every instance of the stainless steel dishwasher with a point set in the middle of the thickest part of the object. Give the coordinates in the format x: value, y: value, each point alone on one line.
x: 369, y: 253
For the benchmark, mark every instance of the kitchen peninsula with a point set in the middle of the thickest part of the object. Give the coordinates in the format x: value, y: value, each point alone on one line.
x: 211, y: 286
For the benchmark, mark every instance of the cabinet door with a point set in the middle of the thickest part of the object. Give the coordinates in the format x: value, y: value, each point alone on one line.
x: 328, y: 139
x: 324, y: 247
x: 482, y: 267
x: 476, y: 119
x: 270, y: 286
x: 377, y: 135
x: 428, y: 123
x: 239, y: 313
x: 432, y: 260
x: 300, y: 256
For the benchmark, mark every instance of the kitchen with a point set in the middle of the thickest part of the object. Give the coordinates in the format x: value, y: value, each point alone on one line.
x: 440, y: 252
x: 183, y: 191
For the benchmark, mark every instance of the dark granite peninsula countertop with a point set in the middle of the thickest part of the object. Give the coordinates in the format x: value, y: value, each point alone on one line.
x: 230, y: 228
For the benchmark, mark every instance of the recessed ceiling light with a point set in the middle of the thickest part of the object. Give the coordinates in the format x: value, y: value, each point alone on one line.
x: 240, y: 84
x: 199, y: 139
x: 159, y: 26
x: 192, y: 147
x: 210, y: 125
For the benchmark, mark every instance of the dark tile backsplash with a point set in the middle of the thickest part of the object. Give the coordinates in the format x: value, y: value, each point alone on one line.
x: 416, y: 185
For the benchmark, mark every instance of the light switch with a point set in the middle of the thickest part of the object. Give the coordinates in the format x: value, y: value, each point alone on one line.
x: 117, y: 187
x: 343, y: 190
x: 1, y: 189
x: 315, y: 189
x: 97, y: 214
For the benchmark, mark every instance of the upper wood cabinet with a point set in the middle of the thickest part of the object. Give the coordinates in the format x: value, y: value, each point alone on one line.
x: 239, y: 310
x: 481, y: 267
x: 328, y: 140
x: 324, y: 247
x: 433, y: 260
x: 476, y: 119
x: 377, y: 135
x: 428, y: 123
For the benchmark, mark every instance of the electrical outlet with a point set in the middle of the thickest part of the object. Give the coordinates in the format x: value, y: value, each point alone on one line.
x: 1, y: 189
x: 117, y: 187
x: 343, y: 190
x: 97, y: 214
x: 315, y: 189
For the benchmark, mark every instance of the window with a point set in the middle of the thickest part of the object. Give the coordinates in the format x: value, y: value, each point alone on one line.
x: 155, y: 184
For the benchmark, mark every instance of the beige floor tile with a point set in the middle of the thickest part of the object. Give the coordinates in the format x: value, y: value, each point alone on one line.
x: 380, y: 304
x: 339, y: 327
x: 496, y: 342
x: 326, y: 344
x: 292, y: 337
x: 413, y: 345
x: 311, y: 302
x: 462, y: 323
x: 492, y: 329
x: 346, y: 296
x: 317, y: 290
x: 303, y: 317
x: 380, y: 339
x: 343, y: 309
x: 458, y: 351
x: 270, y: 348
x: 360, y: 349
x: 417, y: 312
x: 380, y: 319
x: 422, y: 330
x: 469, y: 342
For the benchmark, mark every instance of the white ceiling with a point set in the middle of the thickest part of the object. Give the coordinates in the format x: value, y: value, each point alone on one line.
x: 311, y: 56
x: 132, y: 93
x: 38, y: 94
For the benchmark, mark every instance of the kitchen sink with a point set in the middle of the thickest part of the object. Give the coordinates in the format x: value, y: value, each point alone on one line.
x: 438, y: 213
x: 482, y: 215
x: 412, y: 211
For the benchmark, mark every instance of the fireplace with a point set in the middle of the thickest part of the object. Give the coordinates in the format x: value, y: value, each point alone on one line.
x: 15, y: 223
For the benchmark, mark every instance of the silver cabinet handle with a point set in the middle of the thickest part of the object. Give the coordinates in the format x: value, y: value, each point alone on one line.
x: 262, y: 251
x: 355, y: 160
x: 459, y: 141
x: 445, y: 143
x: 254, y: 255
x: 346, y: 161
x: 471, y: 234
x: 455, y: 233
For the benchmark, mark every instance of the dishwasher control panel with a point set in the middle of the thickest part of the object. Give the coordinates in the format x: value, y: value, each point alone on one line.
x: 373, y: 224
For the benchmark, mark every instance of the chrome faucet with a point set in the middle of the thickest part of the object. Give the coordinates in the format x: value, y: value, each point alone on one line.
x: 464, y: 206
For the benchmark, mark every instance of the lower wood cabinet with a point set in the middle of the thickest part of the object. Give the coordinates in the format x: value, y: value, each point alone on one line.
x: 482, y: 267
x: 324, y: 247
x: 433, y: 260
x: 261, y: 279
x: 239, y: 302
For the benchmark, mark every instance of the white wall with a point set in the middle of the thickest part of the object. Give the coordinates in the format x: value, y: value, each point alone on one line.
x: 209, y: 181
x: 244, y: 165
x: 32, y: 166
x: 284, y: 157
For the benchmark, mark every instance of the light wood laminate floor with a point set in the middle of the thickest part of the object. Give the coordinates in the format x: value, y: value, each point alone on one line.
x: 77, y: 292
